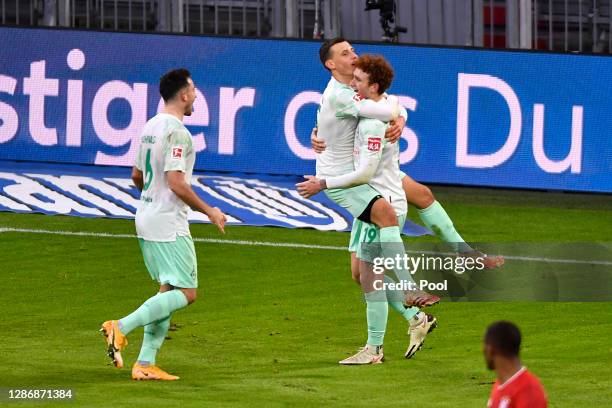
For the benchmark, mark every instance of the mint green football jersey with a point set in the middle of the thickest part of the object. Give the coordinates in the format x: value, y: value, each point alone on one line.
x: 165, y: 145
x: 387, y: 180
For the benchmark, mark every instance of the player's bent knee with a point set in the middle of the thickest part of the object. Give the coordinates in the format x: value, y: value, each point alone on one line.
x: 428, y: 195
x: 424, y: 197
x: 190, y: 294
x: 383, y: 214
x: 417, y: 194
x: 356, y: 276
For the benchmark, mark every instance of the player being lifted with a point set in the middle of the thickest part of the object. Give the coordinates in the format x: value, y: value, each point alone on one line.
x: 337, y: 121
x: 162, y: 172
x: 429, y: 209
x: 376, y: 162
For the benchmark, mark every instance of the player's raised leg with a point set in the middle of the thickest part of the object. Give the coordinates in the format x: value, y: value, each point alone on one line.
x: 116, y: 341
x: 392, y: 247
x: 156, y: 308
x: 436, y: 219
x: 419, y: 327
x: 174, y: 265
x: 420, y: 324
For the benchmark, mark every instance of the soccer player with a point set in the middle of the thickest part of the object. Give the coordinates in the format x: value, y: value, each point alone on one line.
x: 162, y: 172
x: 429, y: 209
x: 515, y: 387
x: 376, y: 163
x: 337, y: 121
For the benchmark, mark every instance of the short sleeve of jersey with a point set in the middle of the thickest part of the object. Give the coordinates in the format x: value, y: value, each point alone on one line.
x: 178, y: 145
x: 346, y: 103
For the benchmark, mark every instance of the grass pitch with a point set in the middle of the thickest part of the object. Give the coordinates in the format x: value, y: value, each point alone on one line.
x: 271, y: 323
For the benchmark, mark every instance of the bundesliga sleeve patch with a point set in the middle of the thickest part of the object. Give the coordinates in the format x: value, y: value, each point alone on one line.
x: 177, y: 153
x: 374, y: 144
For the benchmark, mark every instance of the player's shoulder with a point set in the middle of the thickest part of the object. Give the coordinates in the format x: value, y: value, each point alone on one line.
x: 532, y: 381
x: 527, y: 377
x: 531, y: 393
x: 177, y: 133
x: 154, y: 124
x: 183, y: 133
x: 164, y: 119
x: 525, y: 382
x: 343, y: 93
x: 337, y: 86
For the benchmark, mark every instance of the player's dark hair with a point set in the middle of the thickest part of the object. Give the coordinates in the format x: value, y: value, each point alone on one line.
x: 325, y: 50
x: 505, y: 337
x: 378, y: 69
x: 172, y: 82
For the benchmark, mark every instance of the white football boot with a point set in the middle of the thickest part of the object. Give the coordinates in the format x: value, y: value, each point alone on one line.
x: 420, y: 326
x: 367, y: 355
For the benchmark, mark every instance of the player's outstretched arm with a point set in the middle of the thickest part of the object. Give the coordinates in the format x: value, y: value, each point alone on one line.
x: 178, y: 185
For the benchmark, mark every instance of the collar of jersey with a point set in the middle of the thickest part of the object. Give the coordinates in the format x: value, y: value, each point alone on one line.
x: 514, y: 377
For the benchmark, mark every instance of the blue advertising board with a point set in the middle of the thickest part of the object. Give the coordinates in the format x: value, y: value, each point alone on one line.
x: 476, y: 117
x: 108, y: 192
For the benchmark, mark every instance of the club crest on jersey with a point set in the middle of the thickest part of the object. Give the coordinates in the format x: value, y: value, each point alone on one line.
x: 177, y: 152
x: 373, y: 144
x: 357, y: 97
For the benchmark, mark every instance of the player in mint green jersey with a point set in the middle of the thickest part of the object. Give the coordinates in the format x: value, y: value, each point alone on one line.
x: 376, y: 162
x: 162, y: 172
x: 337, y: 121
x: 429, y: 209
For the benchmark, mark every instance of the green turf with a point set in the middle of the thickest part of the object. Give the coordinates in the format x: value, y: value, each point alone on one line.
x: 271, y: 322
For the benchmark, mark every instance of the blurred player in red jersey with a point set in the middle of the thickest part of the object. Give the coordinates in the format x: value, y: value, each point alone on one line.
x: 515, y: 387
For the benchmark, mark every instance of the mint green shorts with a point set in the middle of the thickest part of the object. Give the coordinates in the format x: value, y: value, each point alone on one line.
x: 354, y: 199
x: 366, y: 233
x: 172, y: 263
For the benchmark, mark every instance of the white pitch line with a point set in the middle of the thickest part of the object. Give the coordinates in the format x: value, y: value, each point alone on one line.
x: 286, y: 245
x: 208, y: 240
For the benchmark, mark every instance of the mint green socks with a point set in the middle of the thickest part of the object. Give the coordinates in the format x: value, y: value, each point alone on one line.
x: 155, y: 308
x: 154, y: 336
x: 395, y: 298
x: 392, y: 247
x: 437, y: 220
x: 377, y: 310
